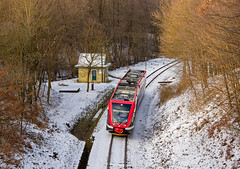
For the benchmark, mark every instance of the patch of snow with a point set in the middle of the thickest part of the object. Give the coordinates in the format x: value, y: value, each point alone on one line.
x: 177, y: 143
x: 95, y: 59
x: 58, y: 150
x: 70, y: 106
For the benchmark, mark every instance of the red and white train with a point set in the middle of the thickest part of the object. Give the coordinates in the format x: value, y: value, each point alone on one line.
x: 125, y: 101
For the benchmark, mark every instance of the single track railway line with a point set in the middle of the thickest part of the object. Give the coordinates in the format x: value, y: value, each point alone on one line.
x: 121, y: 163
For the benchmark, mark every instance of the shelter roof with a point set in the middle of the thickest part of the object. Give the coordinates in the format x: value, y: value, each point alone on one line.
x: 93, y: 59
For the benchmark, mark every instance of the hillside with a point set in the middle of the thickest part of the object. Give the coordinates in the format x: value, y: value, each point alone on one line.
x: 166, y: 135
x: 174, y: 135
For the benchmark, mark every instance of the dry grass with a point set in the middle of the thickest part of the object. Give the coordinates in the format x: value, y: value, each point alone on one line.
x: 169, y: 91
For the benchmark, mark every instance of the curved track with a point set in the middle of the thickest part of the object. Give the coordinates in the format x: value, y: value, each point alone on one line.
x: 161, y: 68
x: 119, y: 160
x: 168, y: 66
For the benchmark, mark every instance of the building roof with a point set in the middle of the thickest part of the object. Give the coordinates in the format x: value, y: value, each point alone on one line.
x: 85, y: 59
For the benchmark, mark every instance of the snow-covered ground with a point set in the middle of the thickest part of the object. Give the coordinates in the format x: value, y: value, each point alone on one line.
x: 170, y: 135
x: 69, y: 106
x: 179, y: 138
x: 165, y: 136
x: 59, y: 148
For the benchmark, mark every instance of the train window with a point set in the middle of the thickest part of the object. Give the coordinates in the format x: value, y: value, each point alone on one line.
x: 120, y: 112
x: 134, y: 76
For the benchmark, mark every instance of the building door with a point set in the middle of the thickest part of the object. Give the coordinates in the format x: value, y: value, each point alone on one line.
x: 94, y: 75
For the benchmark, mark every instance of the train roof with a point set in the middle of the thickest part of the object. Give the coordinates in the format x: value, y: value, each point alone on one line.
x: 127, y: 86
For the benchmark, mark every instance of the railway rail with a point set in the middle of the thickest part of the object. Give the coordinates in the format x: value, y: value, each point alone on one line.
x: 168, y: 66
x: 122, y: 163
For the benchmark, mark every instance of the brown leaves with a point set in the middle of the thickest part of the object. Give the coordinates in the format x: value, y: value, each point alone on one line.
x: 205, y: 35
x: 206, y: 6
x: 15, y: 114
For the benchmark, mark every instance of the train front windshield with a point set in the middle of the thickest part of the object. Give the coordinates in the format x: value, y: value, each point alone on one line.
x: 120, y: 112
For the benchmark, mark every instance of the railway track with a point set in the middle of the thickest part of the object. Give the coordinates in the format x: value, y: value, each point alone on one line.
x: 166, y: 66
x: 118, y: 159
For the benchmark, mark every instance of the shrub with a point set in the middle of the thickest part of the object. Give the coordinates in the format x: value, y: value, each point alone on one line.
x: 169, y: 91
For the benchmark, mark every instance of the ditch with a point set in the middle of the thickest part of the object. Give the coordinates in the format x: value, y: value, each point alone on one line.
x: 85, y: 126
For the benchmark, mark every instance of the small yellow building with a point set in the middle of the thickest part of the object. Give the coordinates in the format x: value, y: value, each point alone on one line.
x: 98, y: 64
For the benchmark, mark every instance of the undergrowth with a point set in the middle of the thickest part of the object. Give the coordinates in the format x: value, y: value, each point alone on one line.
x: 219, y: 115
x: 170, y: 91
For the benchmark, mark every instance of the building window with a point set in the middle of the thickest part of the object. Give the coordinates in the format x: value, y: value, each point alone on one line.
x: 94, y: 75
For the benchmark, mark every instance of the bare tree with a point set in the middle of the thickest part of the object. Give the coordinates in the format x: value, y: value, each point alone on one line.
x: 93, y: 42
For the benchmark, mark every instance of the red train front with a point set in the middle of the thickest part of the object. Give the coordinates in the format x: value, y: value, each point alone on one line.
x: 124, y: 102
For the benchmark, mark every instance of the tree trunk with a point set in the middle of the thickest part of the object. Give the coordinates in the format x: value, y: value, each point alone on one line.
x: 88, y: 75
x: 227, y: 89
x: 49, y: 86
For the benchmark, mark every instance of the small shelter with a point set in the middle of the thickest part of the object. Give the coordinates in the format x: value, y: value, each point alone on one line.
x: 97, y: 63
